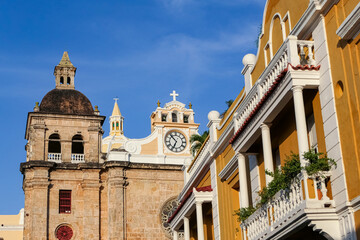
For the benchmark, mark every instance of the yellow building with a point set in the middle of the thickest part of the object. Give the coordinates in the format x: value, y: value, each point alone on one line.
x: 11, y: 226
x: 301, y: 92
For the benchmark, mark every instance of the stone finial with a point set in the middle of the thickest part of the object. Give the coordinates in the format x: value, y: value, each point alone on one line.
x: 96, y: 111
x: 65, y: 60
x: 36, y: 108
x: 190, y: 105
x: 158, y: 103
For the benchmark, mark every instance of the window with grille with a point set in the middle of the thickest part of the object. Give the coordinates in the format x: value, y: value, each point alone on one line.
x: 65, y: 201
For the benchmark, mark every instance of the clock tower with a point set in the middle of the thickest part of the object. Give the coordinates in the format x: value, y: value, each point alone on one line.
x: 171, y: 127
x: 152, y: 167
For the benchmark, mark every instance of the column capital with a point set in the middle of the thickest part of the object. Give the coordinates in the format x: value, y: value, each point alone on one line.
x: 297, y: 88
x: 265, y: 125
x: 199, y: 202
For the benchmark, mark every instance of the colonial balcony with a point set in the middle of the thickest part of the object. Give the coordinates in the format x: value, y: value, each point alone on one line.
x: 292, y: 65
x: 307, y: 203
x: 77, y: 158
x: 54, y: 157
x: 201, y: 156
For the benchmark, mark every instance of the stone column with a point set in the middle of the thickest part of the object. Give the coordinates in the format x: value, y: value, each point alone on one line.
x: 268, y: 158
x: 91, y: 191
x: 66, y: 151
x: 199, y: 221
x: 115, y: 203
x: 186, y: 228
x: 300, y: 119
x: 244, y: 194
x: 301, y: 129
x: 175, y: 235
x: 91, y: 148
x: 36, y: 188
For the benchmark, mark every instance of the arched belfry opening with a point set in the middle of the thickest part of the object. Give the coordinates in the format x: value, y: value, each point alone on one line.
x: 54, y: 145
x: 77, y: 144
x: 174, y: 117
x: 65, y: 73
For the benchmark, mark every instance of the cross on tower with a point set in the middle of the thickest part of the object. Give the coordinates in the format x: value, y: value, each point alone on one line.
x: 116, y: 99
x: 174, y: 95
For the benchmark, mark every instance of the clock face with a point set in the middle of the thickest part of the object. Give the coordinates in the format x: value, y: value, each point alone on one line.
x: 175, y: 141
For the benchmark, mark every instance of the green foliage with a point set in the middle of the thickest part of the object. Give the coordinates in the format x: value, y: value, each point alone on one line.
x: 228, y: 104
x: 287, y: 174
x: 318, y: 163
x: 244, y: 213
x: 282, y: 178
x: 197, y: 141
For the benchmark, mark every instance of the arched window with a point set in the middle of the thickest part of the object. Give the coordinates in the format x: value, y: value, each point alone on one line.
x: 113, y: 126
x: 54, y: 143
x: 117, y: 125
x: 174, y: 117
x: 61, y: 80
x: 77, y: 146
x: 68, y: 81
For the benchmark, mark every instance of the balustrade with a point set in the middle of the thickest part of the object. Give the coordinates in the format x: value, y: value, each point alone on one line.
x: 285, y: 205
x: 292, y: 52
x: 54, y: 157
x: 77, y: 158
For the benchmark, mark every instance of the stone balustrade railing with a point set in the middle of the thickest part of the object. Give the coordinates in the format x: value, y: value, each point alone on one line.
x: 200, y: 157
x: 54, y: 157
x: 292, y: 51
x: 285, y: 205
x: 77, y: 158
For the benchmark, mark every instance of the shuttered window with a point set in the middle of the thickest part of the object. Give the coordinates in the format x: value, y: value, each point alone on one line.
x: 65, y: 201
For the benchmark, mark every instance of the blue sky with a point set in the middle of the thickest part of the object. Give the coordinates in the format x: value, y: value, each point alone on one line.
x: 137, y: 50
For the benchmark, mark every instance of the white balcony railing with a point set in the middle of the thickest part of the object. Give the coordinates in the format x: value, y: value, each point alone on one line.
x: 54, y: 157
x: 77, y: 158
x: 285, y: 207
x: 200, y: 157
x: 293, y: 52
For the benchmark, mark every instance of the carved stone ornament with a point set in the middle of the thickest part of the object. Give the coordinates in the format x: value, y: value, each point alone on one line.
x: 166, y: 212
x: 64, y: 232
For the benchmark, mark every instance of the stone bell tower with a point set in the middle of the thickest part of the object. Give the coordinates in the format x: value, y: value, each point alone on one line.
x: 63, y: 163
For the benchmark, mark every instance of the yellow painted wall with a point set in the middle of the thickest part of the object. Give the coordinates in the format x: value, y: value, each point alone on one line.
x: 277, y: 37
x: 219, y: 132
x: 11, y: 235
x: 206, y: 181
x: 357, y: 223
x: 345, y: 65
x: 150, y: 148
x: 319, y: 124
x: 10, y: 220
x: 296, y: 9
x: 228, y: 196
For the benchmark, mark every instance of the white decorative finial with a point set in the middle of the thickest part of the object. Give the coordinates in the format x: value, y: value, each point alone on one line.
x: 174, y: 95
x: 116, y: 99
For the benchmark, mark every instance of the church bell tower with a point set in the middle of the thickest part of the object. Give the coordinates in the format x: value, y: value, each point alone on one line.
x: 62, y: 169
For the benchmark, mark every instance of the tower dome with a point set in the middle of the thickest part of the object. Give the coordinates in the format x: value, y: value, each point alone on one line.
x: 64, y: 99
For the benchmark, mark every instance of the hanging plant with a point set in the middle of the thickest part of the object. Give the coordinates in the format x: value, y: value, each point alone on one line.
x: 283, y: 177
